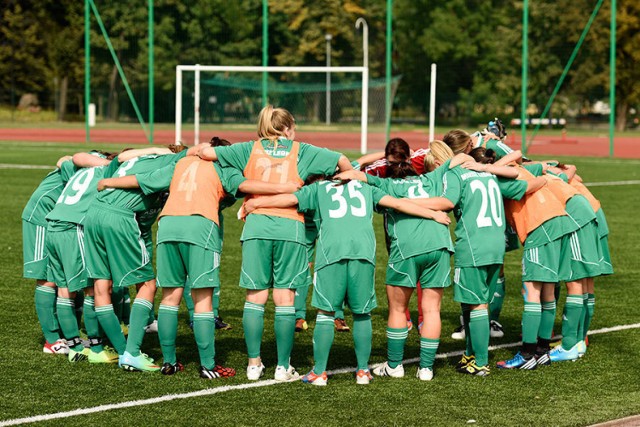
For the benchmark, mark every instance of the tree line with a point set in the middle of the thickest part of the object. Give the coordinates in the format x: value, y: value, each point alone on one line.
x: 476, y: 44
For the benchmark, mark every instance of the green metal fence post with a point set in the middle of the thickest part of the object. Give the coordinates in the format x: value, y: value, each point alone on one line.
x: 87, y: 69
x: 265, y: 48
x: 612, y: 78
x: 387, y: 91
x: 151, y: 76
x: 525, y: 70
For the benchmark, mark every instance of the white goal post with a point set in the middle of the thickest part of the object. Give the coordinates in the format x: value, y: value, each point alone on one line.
x: 257, y: 69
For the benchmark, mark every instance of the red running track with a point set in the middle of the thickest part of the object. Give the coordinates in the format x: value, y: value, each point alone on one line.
x: 598, y: 146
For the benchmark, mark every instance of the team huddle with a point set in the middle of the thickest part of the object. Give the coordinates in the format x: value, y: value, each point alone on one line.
x: 87, y: 231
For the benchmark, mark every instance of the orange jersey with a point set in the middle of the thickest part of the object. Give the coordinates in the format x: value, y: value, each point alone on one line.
x: 195, y: 189
x: 582, y: 189
x: 530, y: 212
x: 560, y: 189
x: 263, y: 167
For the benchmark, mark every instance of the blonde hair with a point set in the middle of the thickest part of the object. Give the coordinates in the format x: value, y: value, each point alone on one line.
x: 458, y: 140
x: 438, y: 151
x: 273, y: 122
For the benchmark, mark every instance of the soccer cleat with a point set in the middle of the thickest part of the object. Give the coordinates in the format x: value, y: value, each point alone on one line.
x: 221, y: 324
x: 58, y: 347
x: 464, y: 361
x: 475, y: 370
x: 217, y: 372
x: 341, y: 325
x: 542, y: 359
x: 496, y: 330
x: 424, y: 374
x: 301, y: 325
x: 409, y: 325
x: 287, y: 374
x: 107, y: 355
x: 385, y: 370
x: 151, y: 328
x: 313, y: 378
x: 518, y: 362
x: 559, y: 354
x: 171, y: 368
x: 458, y: 333
x: 582, y: 348
x: 363, y: 377
x: 78, y: 356
x: 125, y: 329
x: 254, y: 372
x: 142, y: 362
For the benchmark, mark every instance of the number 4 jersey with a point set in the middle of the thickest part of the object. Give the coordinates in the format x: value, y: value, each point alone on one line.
x: 479, y: 212
x: 343, y: 214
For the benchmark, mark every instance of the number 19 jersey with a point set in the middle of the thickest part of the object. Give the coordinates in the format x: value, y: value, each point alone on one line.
x: 479, y: 212
x: 343, y: 214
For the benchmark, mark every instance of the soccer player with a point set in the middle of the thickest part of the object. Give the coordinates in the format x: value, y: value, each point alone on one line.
x: 345, y: 260
x: 274, y: 254
x: 67, y: 267
x: 34, y: 245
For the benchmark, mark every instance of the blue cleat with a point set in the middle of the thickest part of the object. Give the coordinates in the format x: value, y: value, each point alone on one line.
x: 142, y: 362
x: 582, y: 348
x: 559, y: 354
x: 518, y: 362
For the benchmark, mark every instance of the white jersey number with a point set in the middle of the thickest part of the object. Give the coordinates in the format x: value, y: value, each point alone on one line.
x: 188, y: 181
x: 79, y: 183
x: 358, y: 203
x: 493, y: 197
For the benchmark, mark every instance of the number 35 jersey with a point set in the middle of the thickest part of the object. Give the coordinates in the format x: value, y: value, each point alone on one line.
x: 72, y: 205
x: 479, y: 212
x: 343, y: 215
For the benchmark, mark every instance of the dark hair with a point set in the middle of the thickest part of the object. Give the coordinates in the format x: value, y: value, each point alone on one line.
x: 398, y: 148
x: 219, y: 142
x: 315, y: 177
x: 176, y: 148
x: 400, y: 170
x: 483, y: 155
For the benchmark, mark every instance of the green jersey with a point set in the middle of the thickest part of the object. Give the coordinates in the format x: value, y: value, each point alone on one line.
x: 578, y: 207
x: 45, y: 196
x: 603, y: 227
x: 500, y: 148
x: 196, y: 229
x: 479, y: 213
x: 344, y: 216
x: 409, y: 235
x: 78, y: 194
x: 311, y: 160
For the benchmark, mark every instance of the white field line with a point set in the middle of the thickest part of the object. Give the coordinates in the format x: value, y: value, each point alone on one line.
x: 612, y: 183
x: 264, y: 383
x: 16, y: 166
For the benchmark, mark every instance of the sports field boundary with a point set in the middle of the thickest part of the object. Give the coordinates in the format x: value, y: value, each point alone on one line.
x: 263, y: 383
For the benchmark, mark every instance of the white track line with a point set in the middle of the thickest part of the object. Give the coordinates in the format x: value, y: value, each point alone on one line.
x: 16, y: 166
x: 264, y: 383
x: 612, y: 183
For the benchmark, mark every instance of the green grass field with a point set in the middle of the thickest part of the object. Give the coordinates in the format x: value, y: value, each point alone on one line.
x: 601, y: 386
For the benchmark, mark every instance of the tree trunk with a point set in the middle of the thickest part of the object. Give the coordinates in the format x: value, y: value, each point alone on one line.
x: 62, y: 106
x: 621, y: 116
x: 113, y: 95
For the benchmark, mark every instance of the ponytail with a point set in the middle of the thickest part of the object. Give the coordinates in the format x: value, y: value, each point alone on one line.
x: 273, y: 122
x: 458, y: 140
x: 439, y: 152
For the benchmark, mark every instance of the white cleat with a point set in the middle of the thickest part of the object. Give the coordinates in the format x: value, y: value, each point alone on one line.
x: 288, y: 374
x: 254, y: 372
x: 424, y: 374
x: 385, y: 370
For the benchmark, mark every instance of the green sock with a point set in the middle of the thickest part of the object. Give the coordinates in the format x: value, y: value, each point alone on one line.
x: 479, y: 331
x: 92, y: 325
x: 45, y: 299
x: 339, y: 314
x: 362, y: 337
x: 68, y: 323
x: 78, y: 302
x: 285, y: 328
x: 589, y: 308
x: 253, y: 325
x: 570, y: 320
x: 497, y: 299
x: 188, y: 300
x: 111, y: 326
x: 531, y: 317
x: 117, y: 301
x: 428, y: 349
x: 139, y: 319
x: 322, y: 341
x: 466, y: 312
x: 583, y: 317
x: 215, y: 302
x: 167, y: 331
x: 396, y: 338
x: 152, y: 315
x: 300, y: 302
x: 547, y: 319
x: 126, y: 307
x: 204, y: 329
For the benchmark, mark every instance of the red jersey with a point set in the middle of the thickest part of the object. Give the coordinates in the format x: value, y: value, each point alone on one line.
x: 379, y: 167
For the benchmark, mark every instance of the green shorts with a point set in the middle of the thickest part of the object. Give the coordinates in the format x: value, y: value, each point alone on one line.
x: 472, y: 285
x: 273, y: 264
x: 179, y: 262
x: 114, y: 248
x: 511, y: 241
x: 350, y: 280
x: 581, y: 254
x: 311, y: 249
x: 66, y: 259
x: 542, y: 263
x: 35, y: 255
x: 605, y: 263
x: 431, y: 270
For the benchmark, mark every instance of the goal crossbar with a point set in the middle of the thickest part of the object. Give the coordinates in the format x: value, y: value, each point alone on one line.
x: 197, y: 68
